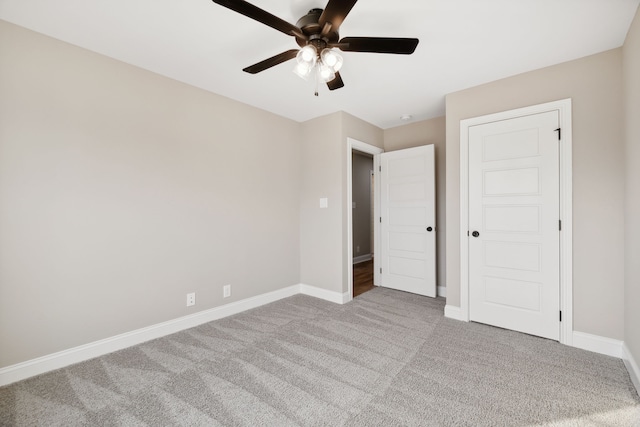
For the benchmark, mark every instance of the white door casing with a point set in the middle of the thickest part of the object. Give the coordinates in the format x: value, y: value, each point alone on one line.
x: 563, y: 107
x: 407, y: 222
x: 354, y: 144
x: 514, y: 224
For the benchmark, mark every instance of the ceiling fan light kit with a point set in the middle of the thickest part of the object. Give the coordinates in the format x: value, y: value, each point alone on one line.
x: 325, y: 65
x: 317, y: 35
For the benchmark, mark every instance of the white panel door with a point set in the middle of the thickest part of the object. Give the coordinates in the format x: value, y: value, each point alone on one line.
x: 514, y: 273
x: 407, y: 206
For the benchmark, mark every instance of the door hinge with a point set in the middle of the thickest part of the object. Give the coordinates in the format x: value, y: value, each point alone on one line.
x: 467, y: 233
x: 380, y: 168
x: 380, y: 270
x: 380, y: 220
x: 560, y: 224
x: 559, y: 130
x: 561, y: 315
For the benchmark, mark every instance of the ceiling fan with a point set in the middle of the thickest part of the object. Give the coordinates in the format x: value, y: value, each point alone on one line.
x: 317, y: 34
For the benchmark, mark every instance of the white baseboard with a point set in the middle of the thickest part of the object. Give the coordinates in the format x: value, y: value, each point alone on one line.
x: 454, y: 313
x: 632, y: 366
x: 597, y: 344
x: 442, y: 291
x: 58, y: 360
x: 584, y: 341
x: 325, y: 294
x: 362, y: 258
x: 84, y: 352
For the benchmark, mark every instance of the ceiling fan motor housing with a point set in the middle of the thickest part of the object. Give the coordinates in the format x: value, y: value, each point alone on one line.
x: 312, y: 29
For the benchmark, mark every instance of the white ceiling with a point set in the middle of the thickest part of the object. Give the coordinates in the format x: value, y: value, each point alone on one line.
x: 463, y: 43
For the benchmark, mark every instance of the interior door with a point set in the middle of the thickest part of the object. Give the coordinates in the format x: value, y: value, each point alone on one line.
x: 407, y: 229
x: 514, y: 273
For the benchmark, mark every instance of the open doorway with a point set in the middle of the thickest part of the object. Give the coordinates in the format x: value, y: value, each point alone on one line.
x: 362, y: 191
x: 373, y: 152
x: 354, y: 145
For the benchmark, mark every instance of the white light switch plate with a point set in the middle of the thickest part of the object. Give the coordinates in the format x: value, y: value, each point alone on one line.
x: 324, y: 202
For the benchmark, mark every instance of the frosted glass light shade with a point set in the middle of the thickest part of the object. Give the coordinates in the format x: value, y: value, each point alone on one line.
x: 303, y: 69
x: 332, y: 59
x: 307, y: 54
x: 326, y: 73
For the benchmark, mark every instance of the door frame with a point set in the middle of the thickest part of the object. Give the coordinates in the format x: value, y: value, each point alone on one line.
x: 566, y: 196
x: 354, y: 144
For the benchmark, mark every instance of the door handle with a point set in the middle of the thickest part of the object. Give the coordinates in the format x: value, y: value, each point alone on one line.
x: 429, y: 228
x: 475, y: 234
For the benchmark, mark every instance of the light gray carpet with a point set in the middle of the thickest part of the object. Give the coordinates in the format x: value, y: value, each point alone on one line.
x: 386, y: 359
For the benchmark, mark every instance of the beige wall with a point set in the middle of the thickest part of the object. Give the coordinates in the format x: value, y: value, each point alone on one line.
x: 323, y: 232
x: 353, y: 127
x: 362, y: 213
x: 321, y: 229
x: 595, y: 85
x: 121, y: 191
x: 427, y: 132
x: 631, y: 73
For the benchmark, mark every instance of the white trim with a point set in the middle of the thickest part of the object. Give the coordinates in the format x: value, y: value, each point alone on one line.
x: 464, y: 221
x: 442, y: 291
x: 376, y: 214
x: 452, y: 312
x: 566, y: 216
x: 98, y: 348
x: 362, y: 258
x: 632, y: 366
x: 597, y: 344
x: 327, y: 295
x: 354, y: 144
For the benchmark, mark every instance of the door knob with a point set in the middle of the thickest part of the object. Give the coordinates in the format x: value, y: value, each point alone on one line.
x: 429, y: 228
x: 475, y: 234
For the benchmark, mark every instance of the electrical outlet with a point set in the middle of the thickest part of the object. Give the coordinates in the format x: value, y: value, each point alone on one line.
x: 226, y: 291
x: 191, y: 299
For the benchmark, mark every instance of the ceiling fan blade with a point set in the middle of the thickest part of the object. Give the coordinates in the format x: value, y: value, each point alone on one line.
x: 270, y: 62
x: 335, y: 12
x: 254, y: 12
x: 379, y: 45
x: 336, y: 83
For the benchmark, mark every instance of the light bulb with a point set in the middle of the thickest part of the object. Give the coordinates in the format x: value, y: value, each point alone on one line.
x: 302, y: 69
x: 329, y: 58
x: 332, y: 59
x: 326, y: 73
x: 307, y: 54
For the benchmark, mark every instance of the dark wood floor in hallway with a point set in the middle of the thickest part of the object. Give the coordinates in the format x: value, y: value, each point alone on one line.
x: 362, y: 277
